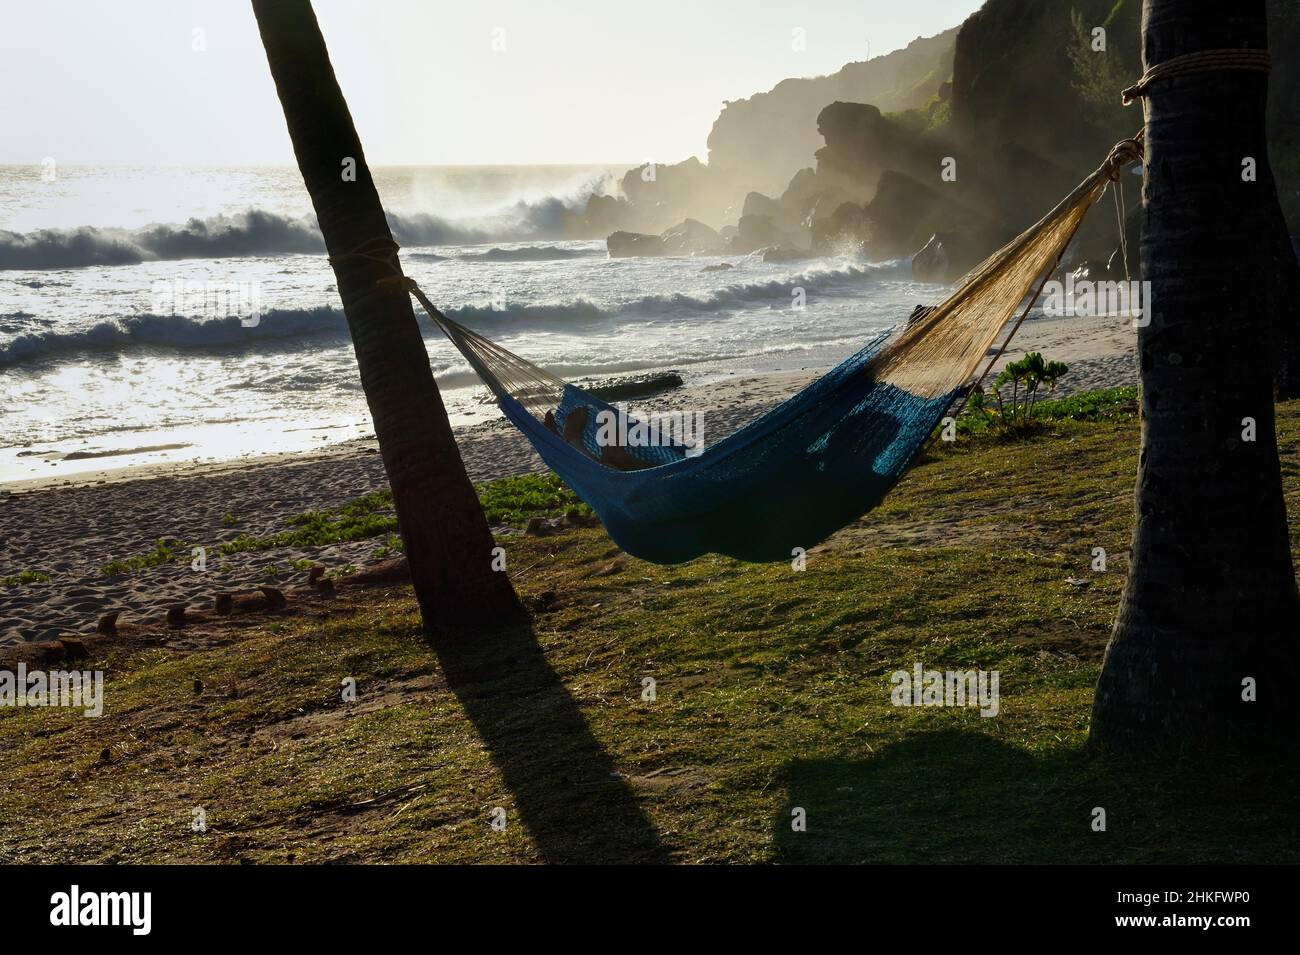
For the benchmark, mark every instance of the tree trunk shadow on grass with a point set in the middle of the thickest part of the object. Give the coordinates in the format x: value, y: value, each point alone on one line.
x: 966, y: 797
x: 566, y: 790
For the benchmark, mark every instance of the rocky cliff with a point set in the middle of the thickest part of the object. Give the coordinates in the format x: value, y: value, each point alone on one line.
x: 767, y: 138
x: 885, y: 154
x: 1034, y: 107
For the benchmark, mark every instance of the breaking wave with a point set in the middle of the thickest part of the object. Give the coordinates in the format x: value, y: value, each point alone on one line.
x: 328, y: 323
x: 257, y: 232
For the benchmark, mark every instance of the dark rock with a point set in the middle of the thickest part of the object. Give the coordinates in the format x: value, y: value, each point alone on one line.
x: 946, y: 257
x: 176, y: 617
x: 802, y: 188
x: 613, y: 567
x: 74, y: 648
x: 107, y: 624
x: 825, y: 205
x: 665, y: 193
x: 224, y: 604
x: 930, y: 263
x: 634, y: 386
x: 843, y: 231
x: 692, y: 237
x: 688, y: 237
x: 391, y: 571
x: 757, y: 204
x: 623, y: 245
x: 903, y: 215
x: 606, y: 214
x: 862, y: 144
x: 756, y: 232
x: 274, y: 598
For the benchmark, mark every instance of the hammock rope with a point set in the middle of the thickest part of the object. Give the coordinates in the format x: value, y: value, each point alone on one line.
x: 1206, y: 61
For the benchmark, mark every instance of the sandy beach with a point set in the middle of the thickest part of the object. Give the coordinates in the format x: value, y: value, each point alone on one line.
x: 71, y: 529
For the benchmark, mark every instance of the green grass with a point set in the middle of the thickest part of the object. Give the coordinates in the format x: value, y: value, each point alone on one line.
x: 24, y: 577
x: 509, y: 501
x: 772, y: 692
x: 366, y: 517
x: 512, y: 501
x: 165, y: 551
x: 1110, y: 403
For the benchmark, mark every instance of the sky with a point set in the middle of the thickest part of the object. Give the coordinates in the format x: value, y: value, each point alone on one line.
x: 438, y: 82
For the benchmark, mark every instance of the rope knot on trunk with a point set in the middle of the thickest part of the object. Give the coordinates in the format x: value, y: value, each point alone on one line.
x: 1123, y: 154
x: 1206, y: 61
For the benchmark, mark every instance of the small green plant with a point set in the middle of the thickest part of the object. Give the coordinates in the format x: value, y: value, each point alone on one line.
x: 980, y: 415
x: 230, y: 520
x: 391, y: 545
x: 24, y: 577
x: 167, y: 550
x: 514, y: 500
x: 1026, y: 377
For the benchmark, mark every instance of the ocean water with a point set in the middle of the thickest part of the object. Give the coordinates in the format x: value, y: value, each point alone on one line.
x: 174, y: 314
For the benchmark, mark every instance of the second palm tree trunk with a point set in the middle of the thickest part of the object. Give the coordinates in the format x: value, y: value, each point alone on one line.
x: 447, y: 541
x: 1206, y: 645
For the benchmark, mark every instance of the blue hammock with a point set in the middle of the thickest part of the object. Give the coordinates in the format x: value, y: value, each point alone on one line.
x: 788, y: 480
x: 818, y: 461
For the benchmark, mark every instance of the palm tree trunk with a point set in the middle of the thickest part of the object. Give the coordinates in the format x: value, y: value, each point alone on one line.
x: 1285, y: 308
x: 448, y: 544
x: 1210, y: 603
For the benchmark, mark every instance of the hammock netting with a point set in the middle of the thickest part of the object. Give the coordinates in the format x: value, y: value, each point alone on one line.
x: 814, y: 463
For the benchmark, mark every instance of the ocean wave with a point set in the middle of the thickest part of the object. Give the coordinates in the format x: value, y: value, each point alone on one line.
x: 254, y: 232
x: 282, y: 325
x: 172, y: 331
x: 529, y: 253
x: 257, y: 232
x: 775, y: 291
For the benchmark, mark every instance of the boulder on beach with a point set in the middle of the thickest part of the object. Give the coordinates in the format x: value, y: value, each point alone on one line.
x: 692, y: 237
x: 932, y: 262
x: 688, y: 237
x: 903, y: 215
x: 845, y: 229
x: 757, y: 204
x: 786, y: 253
x: 755, y: 232
x: 622, y: 245
x: 634, y: 386
x: 803, y: 189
